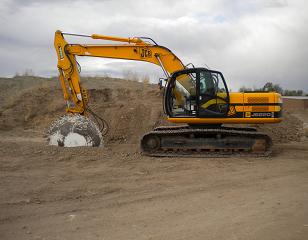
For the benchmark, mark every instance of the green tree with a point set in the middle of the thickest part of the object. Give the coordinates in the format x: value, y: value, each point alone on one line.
x: 245, y: 89
x: 270, y: 87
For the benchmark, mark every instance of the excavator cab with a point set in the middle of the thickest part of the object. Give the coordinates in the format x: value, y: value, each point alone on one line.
x: 197, y: 92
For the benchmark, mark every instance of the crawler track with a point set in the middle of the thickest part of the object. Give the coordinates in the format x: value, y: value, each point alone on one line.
x: 204, y: 142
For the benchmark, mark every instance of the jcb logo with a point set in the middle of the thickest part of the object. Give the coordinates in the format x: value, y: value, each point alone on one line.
x: 145, y: 53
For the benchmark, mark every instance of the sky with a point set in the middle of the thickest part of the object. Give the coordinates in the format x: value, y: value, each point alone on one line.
x: 251, y: 42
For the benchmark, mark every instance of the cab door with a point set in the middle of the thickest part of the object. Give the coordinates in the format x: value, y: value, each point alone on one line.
x: 213, y: 95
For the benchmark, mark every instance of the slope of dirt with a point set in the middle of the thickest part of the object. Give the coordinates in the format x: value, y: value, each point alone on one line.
x: 130, y: 108
x: 290, y: 129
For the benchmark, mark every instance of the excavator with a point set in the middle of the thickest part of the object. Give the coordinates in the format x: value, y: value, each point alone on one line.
x: 196, y: 97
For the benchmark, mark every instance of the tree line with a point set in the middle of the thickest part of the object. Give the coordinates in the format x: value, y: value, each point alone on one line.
x: 270, y: 87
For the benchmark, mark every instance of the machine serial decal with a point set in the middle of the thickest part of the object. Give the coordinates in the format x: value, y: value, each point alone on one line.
x: 262, y: 114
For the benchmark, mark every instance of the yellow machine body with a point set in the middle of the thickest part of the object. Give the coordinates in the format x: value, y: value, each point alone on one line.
x: 245, y: 108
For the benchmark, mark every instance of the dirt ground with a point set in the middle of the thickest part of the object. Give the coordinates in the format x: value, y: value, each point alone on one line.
x: 114, y: 192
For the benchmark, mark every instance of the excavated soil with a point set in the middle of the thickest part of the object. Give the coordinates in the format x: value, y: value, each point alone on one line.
x: 130, y: 108
x: 114, y: 192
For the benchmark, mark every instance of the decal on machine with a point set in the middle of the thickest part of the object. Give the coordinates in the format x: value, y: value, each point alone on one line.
x: 60, y: 52
x: 247, y: 114
x: 145, y: 53
x: 232, y: 111
x: 262, y: 115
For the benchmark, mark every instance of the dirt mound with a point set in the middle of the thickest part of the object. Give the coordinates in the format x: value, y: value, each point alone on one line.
x: 295, y: 103
x: 130, y: 108
x: 129, y: 113
x: 290, y: 129
x: 34, y: 108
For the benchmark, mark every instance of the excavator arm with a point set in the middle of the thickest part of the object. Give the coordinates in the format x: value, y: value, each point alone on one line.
x: 130, y: 48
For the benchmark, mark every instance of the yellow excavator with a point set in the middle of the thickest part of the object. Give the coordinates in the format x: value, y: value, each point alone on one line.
x: 198, y: 97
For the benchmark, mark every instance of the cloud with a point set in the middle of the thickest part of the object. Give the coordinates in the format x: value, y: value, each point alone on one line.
x: 251, y: 42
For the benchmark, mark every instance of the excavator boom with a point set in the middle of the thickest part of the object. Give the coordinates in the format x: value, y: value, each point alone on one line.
x: 135, y: 49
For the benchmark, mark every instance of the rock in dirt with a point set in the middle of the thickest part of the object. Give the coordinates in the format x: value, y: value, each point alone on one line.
x: 74, y: 130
